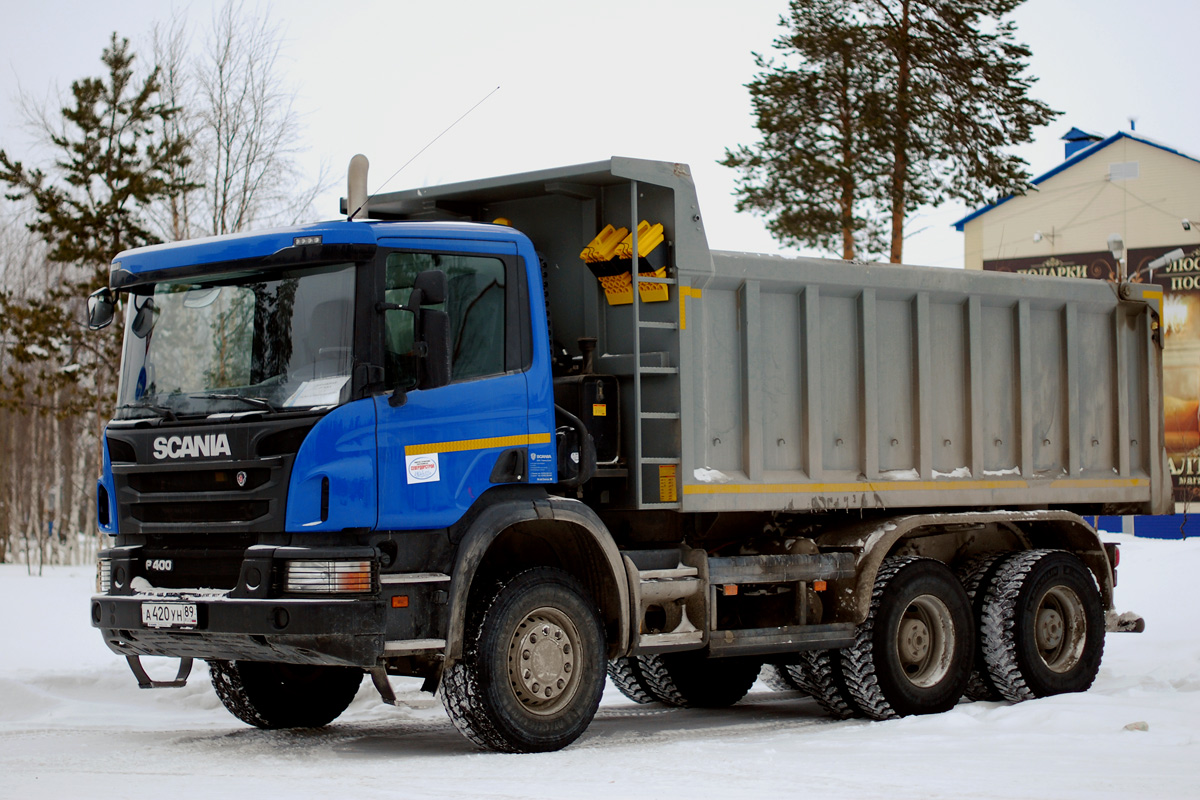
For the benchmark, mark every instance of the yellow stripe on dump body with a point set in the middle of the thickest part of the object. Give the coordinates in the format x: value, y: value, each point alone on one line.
x: 909, y: 486
x: 684, y: 293
x: 476, y: 444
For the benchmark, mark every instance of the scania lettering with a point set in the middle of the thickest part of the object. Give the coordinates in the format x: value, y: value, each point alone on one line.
x: 511, y: 435
x: 191, y: 446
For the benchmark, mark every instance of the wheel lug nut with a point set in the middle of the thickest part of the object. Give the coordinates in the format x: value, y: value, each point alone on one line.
x: 532, y: 638
x: 547, y: 691
x: 527, y: 675
x: 525, y: 655
x: 545, y: 630
x: 560, y: 683
x: 567, y: 649
x: 536, y: 688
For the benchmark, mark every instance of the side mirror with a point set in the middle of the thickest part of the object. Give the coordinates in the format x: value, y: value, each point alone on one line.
x: 432, y: 285
x: 101, y: 308
x: 435, y: 333
x: 144, y: 319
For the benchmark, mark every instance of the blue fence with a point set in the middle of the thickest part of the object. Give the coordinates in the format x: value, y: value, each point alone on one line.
x: 1169, y: 526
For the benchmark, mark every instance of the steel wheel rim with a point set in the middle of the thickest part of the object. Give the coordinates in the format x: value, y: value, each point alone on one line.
x: 925, y: 641
x: 543, y: 656
x: 1060, y: 629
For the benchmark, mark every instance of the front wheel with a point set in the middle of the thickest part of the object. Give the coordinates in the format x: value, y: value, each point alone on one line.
x: 913, y: 654
x: 273, y: 695
x: 531, y: 676
x: 1043, y: 626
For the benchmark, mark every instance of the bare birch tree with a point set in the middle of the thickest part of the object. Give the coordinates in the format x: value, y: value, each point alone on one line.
x: 240, y: 115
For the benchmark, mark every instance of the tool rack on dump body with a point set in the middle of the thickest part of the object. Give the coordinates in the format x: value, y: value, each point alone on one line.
x: 510, y: 434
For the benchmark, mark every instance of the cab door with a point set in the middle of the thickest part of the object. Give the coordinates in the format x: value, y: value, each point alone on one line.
x: 442, y: 448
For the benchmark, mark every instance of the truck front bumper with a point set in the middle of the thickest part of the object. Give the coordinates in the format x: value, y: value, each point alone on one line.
x: 347, y: 632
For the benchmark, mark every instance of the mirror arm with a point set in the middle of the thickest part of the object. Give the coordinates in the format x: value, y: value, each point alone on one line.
x: 398, y: 397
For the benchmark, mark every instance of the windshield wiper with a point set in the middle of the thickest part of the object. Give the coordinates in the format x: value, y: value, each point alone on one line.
x: 163, y: 411
x: 258, y: 402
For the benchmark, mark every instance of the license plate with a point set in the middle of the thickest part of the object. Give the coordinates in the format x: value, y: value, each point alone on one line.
x: 169, y: 615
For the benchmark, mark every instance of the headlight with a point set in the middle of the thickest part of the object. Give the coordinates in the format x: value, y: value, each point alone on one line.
x: 103, y: 576
x: 329, y: 577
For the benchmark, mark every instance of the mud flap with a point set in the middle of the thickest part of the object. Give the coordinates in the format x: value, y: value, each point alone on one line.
x: 146, y: 682
x: 383, y: 685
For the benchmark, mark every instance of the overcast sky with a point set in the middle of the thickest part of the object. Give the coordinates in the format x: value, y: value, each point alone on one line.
x: 579, y: 82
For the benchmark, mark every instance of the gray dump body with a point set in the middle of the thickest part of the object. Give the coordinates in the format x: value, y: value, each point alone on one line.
x: 810, y: 384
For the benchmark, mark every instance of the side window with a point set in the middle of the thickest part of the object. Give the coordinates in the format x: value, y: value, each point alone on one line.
x: 475, y: 301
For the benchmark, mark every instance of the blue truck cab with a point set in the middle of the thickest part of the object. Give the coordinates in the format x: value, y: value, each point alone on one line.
x: 271, y: 402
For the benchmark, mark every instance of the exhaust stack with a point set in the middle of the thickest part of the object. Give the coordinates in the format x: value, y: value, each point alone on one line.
x: 356, y: 187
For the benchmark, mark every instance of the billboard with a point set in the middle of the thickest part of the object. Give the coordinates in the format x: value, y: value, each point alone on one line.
x: 1180, y: 281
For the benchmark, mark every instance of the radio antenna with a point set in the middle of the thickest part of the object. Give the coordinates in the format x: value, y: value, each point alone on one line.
x: 422, y: 150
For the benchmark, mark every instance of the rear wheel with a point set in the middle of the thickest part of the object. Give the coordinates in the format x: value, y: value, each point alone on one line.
x: 626, y: 675
x: 913, y: 653
x: 531, y: 676
x: 977, y: 576
x: 1043, y: 626
x: 272, y: 695
x: 689, y: 680
x: 819, y: 672
x: 779, y: 679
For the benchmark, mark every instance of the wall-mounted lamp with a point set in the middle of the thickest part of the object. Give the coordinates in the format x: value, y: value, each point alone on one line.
x: 1116, y: 245
x: 1162, y: 261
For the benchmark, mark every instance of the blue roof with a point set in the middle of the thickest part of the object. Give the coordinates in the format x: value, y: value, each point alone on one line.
x: 1070, y: 162
x: 1077, y: 134
x: 258, y: 244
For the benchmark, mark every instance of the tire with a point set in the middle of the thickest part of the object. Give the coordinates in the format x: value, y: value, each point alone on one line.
x: 977, y: 576
x: 913, y: 653
x: 777, y: 678
x: 532, y: 670
x: 271, y: 695
x: 689, y: 680
x: 626, y: 675
x: 1043, y: 626
x: 819, y: 673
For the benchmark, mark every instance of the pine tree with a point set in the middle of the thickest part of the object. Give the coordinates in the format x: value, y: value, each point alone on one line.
x: 112, y: 162
x: 820, y: 113
x: 949, y: 94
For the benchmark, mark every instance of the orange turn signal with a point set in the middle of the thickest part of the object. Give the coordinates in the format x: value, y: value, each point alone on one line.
x: 400, y: 601
x: 819, y: 586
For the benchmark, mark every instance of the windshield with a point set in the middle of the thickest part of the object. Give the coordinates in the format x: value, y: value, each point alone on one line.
x: 237, y: 342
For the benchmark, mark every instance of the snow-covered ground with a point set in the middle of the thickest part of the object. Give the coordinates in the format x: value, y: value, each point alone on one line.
x: 73, y: 724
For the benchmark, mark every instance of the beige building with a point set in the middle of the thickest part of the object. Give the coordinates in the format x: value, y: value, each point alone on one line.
x: 1141, y: 199
x: 1125, y: 185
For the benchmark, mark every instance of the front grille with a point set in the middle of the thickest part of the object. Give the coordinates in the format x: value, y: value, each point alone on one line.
x: 200, y: 512
x: 201, y: 495
x: 209, y: 480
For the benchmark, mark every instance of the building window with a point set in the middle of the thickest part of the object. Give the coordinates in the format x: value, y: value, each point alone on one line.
x: 1123, y: 171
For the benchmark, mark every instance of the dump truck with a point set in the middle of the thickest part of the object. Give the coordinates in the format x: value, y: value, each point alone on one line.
x: 512, y: 434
